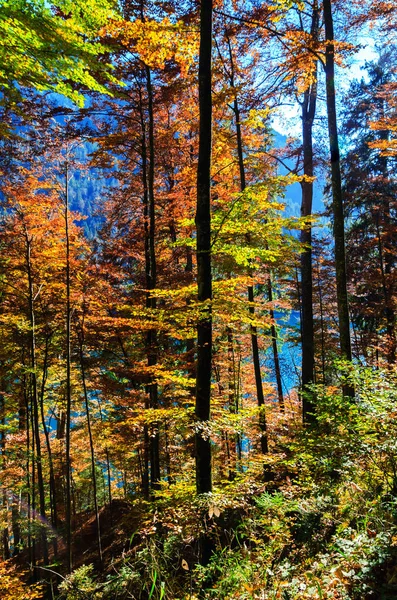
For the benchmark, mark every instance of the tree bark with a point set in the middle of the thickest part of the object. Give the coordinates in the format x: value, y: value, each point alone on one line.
x: 69, y: 559
x: 276, y: 358
x: 152, y: 334
x: 5, y: 533
x: 337, y: 200
x: 151, y: 451
x: 91, y: 441
x: 204, y: 273
x: 308, y: 110
x: 53, y: 494
x: 35, y: 399
x: 250, y: 290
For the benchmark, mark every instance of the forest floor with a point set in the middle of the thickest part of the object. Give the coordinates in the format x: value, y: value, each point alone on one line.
x: 314, y: 519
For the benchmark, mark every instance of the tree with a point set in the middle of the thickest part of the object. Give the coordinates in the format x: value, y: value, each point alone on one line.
x: 336, y: 186
x: 204, y: 275
x: 308, y: 112
x: 32, y: 232
x: 62, y: 51
x: 369, y: 191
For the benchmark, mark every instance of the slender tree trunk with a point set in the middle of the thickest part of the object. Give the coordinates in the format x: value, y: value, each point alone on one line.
x: 152, y: 334
x: 258, y: 376
x: 151, y: 433
x: 151, y: 437
x: 32, y: 452
x: 204, y: 273
x: 29, y: 492
x: 388, y: 310
x: 53, y: 495
x: 35, y: 399
x: 233, y: 403
x: 320, y: 298
x: 92, y: 451
x: 389, y: 260
x: 15, y: 509
x: 69, y: 559
x: 16, y: 527
x: 254, y: 335
x: 276, y: 359
x: 308, y: 107
x: 109, y: 478
x: 337, y: 200
x: 145, y: 470
x: 5, y: 535
x: 168, y: 470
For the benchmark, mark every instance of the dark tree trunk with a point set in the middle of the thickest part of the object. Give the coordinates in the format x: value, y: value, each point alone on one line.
x: 152, y: 334
x: 254, y: 335
x: 16, y: 527
x: 151, y: 467
x: 32, y: 452
x: 145, y: 469
x: 337, y: 201
x: 388, y: 262
x: 204, y: 274
x: 108, y: 473
x: 5, y: 535
x: 258, y: 376
x: 307, y: 327
x: 53, y: 494
x: 233, y: 404
x: 276, y: 358
x: 91, y: 441
x: 29, y: 492
x: 69, y: 559
x: 320, y: 299
x: 15, y: 510
x: 35, y: 398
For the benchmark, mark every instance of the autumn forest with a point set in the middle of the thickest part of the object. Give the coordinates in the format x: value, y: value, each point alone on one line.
x: 198, y: 297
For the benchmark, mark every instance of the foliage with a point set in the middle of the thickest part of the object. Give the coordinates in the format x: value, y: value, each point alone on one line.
x: 13, y: 586
x: 99, y: 353
x: 325, y: 526
x: 44, y: 47
x: 80, y: 585
x: 328, y: 528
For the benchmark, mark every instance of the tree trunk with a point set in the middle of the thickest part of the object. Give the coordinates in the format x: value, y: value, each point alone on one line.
x: 254, y: 335
x: 32, y: 452
x: 92, y: 451
x: 53, y: 494
x: 233, y: 404
x: 15, y: 510
x: 320, y: 299
x: 258, y: 376
x: 204, y: 274
x: 337, y: 201
x: 388, y: 262
x: 29, y: 491
x: 5, y: 535
x: 152, y: 334
x: 69, y: 559
x: 276, y: 359
x: 307, y: 328
x: 35, y: 399
x: 145, y: 469
x: 151, y: 467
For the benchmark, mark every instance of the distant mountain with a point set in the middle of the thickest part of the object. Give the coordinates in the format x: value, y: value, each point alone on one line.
x: 88, y: 188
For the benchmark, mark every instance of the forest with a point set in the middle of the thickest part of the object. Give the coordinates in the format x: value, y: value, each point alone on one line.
x: 198, y: 298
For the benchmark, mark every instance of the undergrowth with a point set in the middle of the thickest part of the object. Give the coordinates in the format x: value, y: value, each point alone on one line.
x: 324, y: 525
